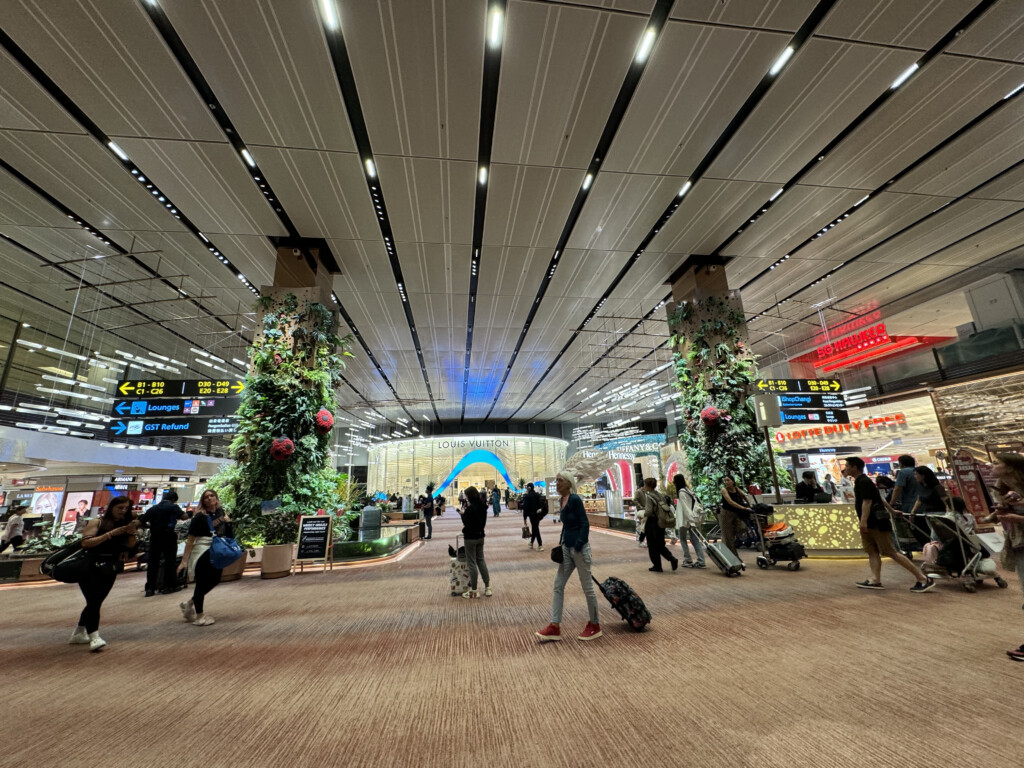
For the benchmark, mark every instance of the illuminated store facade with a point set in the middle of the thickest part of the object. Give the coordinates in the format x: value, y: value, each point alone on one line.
x: 456, y: 462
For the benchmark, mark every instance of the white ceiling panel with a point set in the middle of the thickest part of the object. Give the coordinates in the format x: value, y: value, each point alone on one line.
x: 621, y: 209
x: 25, y: 106
x: 784, y: 15
x: 560, y: 72
x: 937, y: 101
x: 997, y: 34
x: 268, y: 64
x: 106, y: 55
x: 823, y: 89
x: 209, y: 183
x: 429, y: 201
x: 324, y: 193
x: 919, y: 24
x: 415, y: 98
x: 1009, y: 186
x: 528, y: 205
x: 696, y: 81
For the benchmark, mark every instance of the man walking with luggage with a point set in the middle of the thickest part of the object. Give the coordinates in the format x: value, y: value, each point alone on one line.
x: 654, y: 530
x: 163, y: 543
x: 876, y: 529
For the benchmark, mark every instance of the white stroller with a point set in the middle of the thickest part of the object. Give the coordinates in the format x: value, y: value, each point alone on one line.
x: 962, y: 555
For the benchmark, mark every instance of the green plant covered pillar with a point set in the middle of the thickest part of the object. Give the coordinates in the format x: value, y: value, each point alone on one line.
x: 714, y: 369
x: 282, y: 447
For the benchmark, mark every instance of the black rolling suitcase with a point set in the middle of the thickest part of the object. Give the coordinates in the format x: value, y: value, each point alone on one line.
x: 627, y: 602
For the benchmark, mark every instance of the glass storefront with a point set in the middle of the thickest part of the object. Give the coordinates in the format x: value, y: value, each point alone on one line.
x: 456, y: 462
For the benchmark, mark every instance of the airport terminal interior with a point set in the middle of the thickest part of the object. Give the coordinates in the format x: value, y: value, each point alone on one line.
x: 512, y: 382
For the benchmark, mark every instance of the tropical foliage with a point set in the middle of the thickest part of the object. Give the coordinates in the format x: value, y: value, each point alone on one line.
x: 713, y: 367
x: 296, y: 365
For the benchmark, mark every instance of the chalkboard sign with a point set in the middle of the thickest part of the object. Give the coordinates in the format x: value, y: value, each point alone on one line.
x: 314, y: 538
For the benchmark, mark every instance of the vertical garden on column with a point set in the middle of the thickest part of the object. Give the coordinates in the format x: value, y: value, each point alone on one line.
x: 282, y: 448
x: 714, y: 369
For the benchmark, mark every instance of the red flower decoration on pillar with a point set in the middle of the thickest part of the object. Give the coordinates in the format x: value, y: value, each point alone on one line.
x: 324, y: 421
x: 281, y: 449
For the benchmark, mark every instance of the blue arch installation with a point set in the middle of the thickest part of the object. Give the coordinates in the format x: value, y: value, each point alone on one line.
x: 478, y: 456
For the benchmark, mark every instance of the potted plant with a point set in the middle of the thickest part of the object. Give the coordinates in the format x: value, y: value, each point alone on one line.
x: 280, y: 532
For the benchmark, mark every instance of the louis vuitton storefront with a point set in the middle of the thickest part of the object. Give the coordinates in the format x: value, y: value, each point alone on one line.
x: 455, y: 462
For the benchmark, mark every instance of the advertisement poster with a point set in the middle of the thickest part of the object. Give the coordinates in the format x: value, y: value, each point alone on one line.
x: 46, y: 502
x: 76, y: 506
x: 966, y: 470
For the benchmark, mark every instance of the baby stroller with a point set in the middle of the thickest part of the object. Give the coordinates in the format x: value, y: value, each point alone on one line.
x: 961, y: 555
x: 778, y: 540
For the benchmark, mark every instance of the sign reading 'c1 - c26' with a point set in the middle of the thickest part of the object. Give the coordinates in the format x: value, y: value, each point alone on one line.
x: 180, y: 387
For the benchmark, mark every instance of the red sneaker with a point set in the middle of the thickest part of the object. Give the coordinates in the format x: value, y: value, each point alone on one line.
x: 591, y: 632
x: 549, y: 633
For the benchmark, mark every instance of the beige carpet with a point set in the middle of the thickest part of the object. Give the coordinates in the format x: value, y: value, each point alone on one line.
x: 380, y: 667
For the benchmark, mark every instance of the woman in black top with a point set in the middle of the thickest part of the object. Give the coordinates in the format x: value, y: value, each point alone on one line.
x: 474, y: 519
x: 108, y: 542
x: 209, y: 519
x: 735, y: 513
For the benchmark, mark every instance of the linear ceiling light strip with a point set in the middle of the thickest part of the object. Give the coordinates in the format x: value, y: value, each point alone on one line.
x: 192, y: 71
x: 867, y: 112
x: 605, y: 354
x: 350, y: 98
x: 75, y: 112
x: 629, y: 85
x: 745, y: 110
x: 494, y: 37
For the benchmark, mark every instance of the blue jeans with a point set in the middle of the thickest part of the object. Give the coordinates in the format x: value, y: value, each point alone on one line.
x: 580, y: 561
x: 688, y: 533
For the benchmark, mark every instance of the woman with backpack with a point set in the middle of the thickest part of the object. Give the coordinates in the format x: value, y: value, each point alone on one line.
x: 108, y: 542
x: 689, y: 518
x: 209, y: 520
x: 657, y: 511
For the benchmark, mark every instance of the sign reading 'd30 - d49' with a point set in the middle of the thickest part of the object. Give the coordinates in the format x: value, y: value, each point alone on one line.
x: 181, y: 387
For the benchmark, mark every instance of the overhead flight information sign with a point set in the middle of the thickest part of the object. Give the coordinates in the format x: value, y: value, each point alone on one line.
x: 180, y: 388
x: 186, y: 426
x: 166, y: 407
x: 798, y: 385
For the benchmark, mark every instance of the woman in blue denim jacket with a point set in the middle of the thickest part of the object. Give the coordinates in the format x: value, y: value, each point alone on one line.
x: 575, y: 547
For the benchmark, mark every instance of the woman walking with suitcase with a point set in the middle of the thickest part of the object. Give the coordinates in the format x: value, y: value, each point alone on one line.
x: 689, y: 517
x: 107, y: 542
x: 572, y: 554
x: 734, y: 517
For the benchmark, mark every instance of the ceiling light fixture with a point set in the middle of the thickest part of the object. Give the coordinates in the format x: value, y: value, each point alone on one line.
x: 494, y: 32
x: 371, y: 169
x: 905, y: 76
x: 1014, y: 92
x: 781, y: 61
x: 646, y: 44
x: 483, y: 175
x: 779, y: 192
x: 685, y: 189
x: 587, y: 181
x: 248, y: 158
x: 329, y: 14
x: 117, y: 151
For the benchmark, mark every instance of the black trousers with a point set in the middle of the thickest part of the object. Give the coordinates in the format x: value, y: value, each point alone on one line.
x: 15, y: 542
x: 207, y: 577
x: 429, y: 520
x: 656, y: 543
x: 95, y: 587
x: 163, y: 547
x: 535, y: 530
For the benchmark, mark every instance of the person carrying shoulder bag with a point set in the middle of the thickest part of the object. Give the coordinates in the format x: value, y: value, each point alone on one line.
x: 656, y: 519
x: 689, y: 518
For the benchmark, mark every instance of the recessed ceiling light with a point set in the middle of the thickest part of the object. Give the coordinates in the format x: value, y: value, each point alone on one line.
x: 494, y: 29
x: 685, y: 189
x: 905, y: 76
x: 646, y: 44
x: 483, y: 175
x: 371, y: 169
x: 781, y: 61
x: 117, y: 151
x: 248, y: 158
x: 587, y: 181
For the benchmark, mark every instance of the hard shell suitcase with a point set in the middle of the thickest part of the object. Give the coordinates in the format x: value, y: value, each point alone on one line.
x: 722, y: 556
x: 627, y: 602
x: 459, y: 576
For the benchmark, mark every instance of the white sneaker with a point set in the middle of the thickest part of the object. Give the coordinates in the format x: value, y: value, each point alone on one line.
x: 188, y: 611
x: 540, y: 549
x: 79, y: 636
x: 96, y: 643
x: 487, y: 592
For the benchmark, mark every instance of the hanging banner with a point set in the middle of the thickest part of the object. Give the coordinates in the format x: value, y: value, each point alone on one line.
x: 969, y: 477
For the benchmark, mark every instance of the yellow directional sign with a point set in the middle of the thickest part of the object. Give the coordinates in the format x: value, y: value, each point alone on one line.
x: 798, y: 385
x: 181, y: 387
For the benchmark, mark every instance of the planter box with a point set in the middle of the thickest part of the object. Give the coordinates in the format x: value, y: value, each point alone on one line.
x: 277, y: 561
x: 234, y: 571
x: 30, y: 568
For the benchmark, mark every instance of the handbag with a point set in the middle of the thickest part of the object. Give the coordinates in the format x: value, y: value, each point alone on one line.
x: 71, y: 568
x: 224, y: 550
x: 556, y: 552
x: 526, y: 532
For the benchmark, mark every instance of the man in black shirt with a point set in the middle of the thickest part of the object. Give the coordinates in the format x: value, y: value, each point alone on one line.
x: 163, y: 543
x: 876, y: 529
x: 807, y: 488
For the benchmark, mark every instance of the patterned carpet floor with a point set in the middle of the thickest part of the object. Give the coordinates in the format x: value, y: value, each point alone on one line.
x: 379, y: 666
